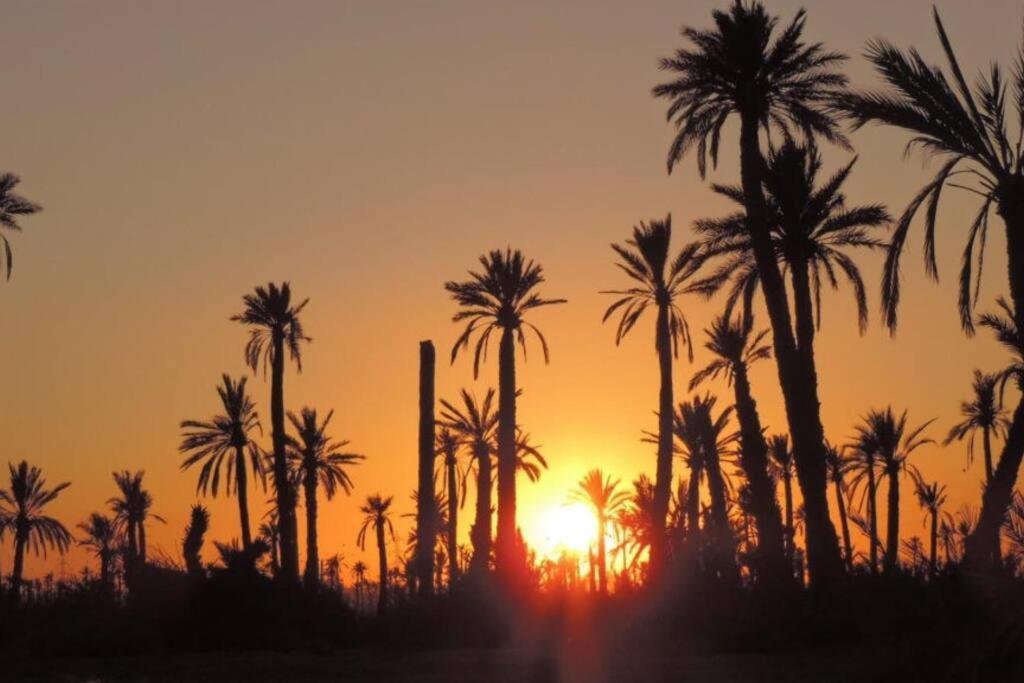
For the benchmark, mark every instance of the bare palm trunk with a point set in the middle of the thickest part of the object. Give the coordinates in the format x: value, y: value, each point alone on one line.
x: 796, y: 375
x: 602, y: 577
x: 21, y: 538
x: 790, y: 530
x: 142, y: 543
x: 722, y: 542
x: 932, y: 562
x: 382, y: 556
x: 986, y: 438
x: 872, y: 516
x: 844, y: 523
x: 663, y: 475
x: 892, y: 534
x: 506, y: 561
x: 426, y: 532
x: 482, y: 523
x: 453, y: 519
x: 754, y: 461
x: 241, y: 483
x: 311, y: 577
x: 287, y: 526
x: 693, y: 512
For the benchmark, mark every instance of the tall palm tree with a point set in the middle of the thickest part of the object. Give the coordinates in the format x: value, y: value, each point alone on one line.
x: 275, y: 325
x: 735, y: 348
x: 11, y: 207
x: 131, y: 510
x: 931, y: 497
x: 838, y: 464
x: 377, y: 516
x: 100, y: 538
x: 602, y: 494
x: 782, y: 464
x: 316, y: 461
x: 447, y: 444
x: 659, y: 281
x: 971, y: 131
x: 742, y: 67
x: 893, y: 443
x: 497, y: 299
x: 21, y: 512
x: 983, y: 413
x: 863, y: 465
x: 474, y: 426
x: 224, y: 440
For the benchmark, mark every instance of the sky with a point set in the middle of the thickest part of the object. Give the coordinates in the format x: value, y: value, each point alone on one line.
x: 367, y: 152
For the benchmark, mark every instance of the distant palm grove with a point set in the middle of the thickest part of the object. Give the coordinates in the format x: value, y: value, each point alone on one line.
x: 726, y: 505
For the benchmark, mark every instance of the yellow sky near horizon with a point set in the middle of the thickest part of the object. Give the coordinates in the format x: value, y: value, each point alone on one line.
x: 367, y: 152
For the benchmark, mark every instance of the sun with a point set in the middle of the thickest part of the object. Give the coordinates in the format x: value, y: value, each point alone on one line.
x: 570, y: 527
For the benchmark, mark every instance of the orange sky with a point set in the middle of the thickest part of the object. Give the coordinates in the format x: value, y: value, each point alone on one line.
x: 367, y: 152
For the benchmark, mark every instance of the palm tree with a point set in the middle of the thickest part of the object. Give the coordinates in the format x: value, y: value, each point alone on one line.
x: 100, y: 538
x: 131, y: 510
x: 192, y: 544
x: 838, y: 464
x: 602, y: 494
x: 971, y: 131
x: 21, y: 512
x: 529, y: 460
x: 782, y: 464
x: 274, y: 325
x: 888, y: 437
x: 447, y: 446
x: 317, y: 460
x: 359, y: 569
x: 226, y: 438
x: 658, y: 281
x: 863, y: 465
x: 982, y: 413
x: 377, y: 515
x: 11, y: 206
x: 498, y: 299
x: 931, y: 498
x: 269, y: 533
x: 474, y: 427
x: 741, y: 67
x: 735, y: 349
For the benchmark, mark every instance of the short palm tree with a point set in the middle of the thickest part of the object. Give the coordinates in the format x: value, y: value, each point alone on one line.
x: 224, y: 440
x: 983, y: 413
x: 192, y: 543
x: 931, y: 497
x: 131, y: 510
x: 604, y: 497
x: 744, y: 67
x: 659, y: 281
x: 474, y: 425
x: 893, y: 443
x: 21, y: 512
x: 317, y: 461
x: 838, y: 464
x: 638, y: 518
x: 359, y: 569
x: 101, y: 539
x: 11, y: 207
x: 447, y: 445
x: 734, y: 348
x: 274, y: 325
x: 497, y: 299
x: 269, y: 533
x: 782, y: 465
x: 863, y: 466
x: 377, y: 516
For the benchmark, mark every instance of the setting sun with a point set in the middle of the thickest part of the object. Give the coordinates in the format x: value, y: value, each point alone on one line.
x: 569, y: 527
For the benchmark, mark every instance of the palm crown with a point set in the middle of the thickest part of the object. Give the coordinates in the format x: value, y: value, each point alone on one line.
x: 376, y: 516
x: 1008, y: 333
x: 734, y: 345
x: 888, y: 437
x: 982, y: 412
x: 269, y: 312
x: 313, y: 451
x: 498, y: 297
x: 11, y: 207
x: 22, y: 506
x: 601, y: 492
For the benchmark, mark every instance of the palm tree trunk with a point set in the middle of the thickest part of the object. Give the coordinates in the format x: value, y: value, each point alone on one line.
x: 663, y: 474
x: 844, y: 523
x: 426, y: 532
x: 790, y: 530
x: 482, y: 523
x: 754, y: 461
x: 142, y: 543
x: 932, y: 562
x: 288, y: 529
x: 453, y: 520
x: 796, y: 376
x: 311, y: 578
x: 602, y: 577
x: 506, y: 561
x: 241, y: 483
x: 693, y: 511
x: 872, y: 516
x: 382, y: 556
x: 892, y: 535
x: 20, y: 539
x: 986, y: 438
x: 722, y: 542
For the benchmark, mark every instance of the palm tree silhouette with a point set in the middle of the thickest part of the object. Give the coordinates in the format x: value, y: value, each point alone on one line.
x: 863, y: 465
x: 735, y: 348
x: 782, y: 465
x: 839, y: 464
x: 100, y: 537
x: 497, y: 299
x: 377, y: 516
x: 192, y: 544
x: 447, y: 446
x: 970, y: 130
x: 359, y: 569
x: 982, y: 413
x: 529, y: 460
x: 602, y: 494
x: 742, y: 67
x: 131, y: 510
x: 270, y: 534
x: 931, y: 497
x: 888, y: 437
x: 21, y: 512
x: 659, y: 281
x: 275, y: 325
x: 11, y: 206
x: 223, y: 438
x: 474, y: 427
x: 317, y: 460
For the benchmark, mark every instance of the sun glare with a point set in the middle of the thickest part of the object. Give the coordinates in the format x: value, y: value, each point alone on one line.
x: 570, y: 527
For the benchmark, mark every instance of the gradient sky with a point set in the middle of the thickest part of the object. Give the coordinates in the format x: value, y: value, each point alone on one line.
x: 367, y: 152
